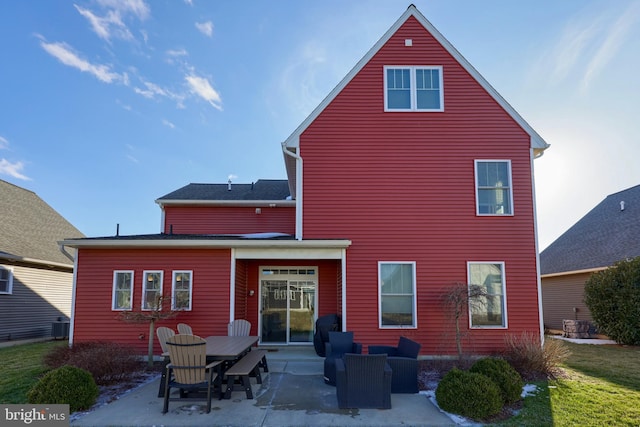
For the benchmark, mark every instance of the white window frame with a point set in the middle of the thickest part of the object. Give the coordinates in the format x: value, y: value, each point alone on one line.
x: 413, y: 87
x: 9, y: 288
x: 115, y: 290
x: 145, y: 274
x: 477, y: 188
x: 414, y: 304
x: 505, y: 317
x: 173, y: 289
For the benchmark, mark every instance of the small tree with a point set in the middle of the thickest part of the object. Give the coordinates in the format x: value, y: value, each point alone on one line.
x: 156, y: 313
x: 613, y: 297
x: 458, y: 298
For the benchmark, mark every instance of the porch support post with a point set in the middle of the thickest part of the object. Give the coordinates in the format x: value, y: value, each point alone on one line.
x: 344, y: 289
x: 232, y: 286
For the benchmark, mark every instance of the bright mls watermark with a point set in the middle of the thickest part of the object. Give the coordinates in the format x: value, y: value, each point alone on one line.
x: 34, y: 415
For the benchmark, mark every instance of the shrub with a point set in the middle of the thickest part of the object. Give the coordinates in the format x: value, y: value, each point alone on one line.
x: 107, y: 362
x: 613, y: 297
x: 67, y: 384
x: 531, y: 359
x: 503, y: 374
x: 469, y: 394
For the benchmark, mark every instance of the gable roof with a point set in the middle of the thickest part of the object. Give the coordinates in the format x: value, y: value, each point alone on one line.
x: 292, y: 142
x: 30, y: 228
x: 607, y: 234
x: 264, y: 190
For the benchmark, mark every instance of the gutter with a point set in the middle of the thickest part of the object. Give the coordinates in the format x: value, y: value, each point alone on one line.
x: 566, y: 273
x: 298, y: 159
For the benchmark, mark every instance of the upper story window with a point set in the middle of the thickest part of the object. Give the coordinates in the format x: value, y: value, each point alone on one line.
x: 122, y: 290
x: 181, y: 290
x: 493, y: 187
x: 413, y: 88
x: 152, y: 290
x: 6, y: 280
x: 397, y: 293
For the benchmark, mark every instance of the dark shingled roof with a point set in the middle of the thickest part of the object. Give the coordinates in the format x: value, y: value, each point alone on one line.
x: 604, y: 236
x: 263, y: 189
x: 30, y: 228
x: 178, y: 237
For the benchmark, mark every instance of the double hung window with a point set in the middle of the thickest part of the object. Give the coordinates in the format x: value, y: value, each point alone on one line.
x: 488, y: 308
x: 6, y: 280
x: 397, y: 293
x: 493, y: 187
x: 122, y: 290
x: 181, y: 290
x: 152, y: 290
x: 413, y: 88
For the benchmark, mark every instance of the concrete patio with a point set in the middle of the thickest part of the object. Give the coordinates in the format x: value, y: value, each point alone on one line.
x: 293, y: 393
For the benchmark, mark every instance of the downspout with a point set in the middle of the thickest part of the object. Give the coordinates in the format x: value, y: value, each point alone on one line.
x: 298, y: 190
x: 73, y: 290
x: 65, y: 253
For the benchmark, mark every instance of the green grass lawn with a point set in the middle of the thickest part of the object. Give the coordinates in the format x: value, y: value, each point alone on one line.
x: 601, y: 388
x: 20, y: 368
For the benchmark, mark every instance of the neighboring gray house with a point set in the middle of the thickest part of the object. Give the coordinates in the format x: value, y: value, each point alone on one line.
x: 609, y: 233
x: 35, y: 276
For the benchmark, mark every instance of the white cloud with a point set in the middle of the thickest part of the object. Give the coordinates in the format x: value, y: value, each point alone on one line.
x: 137, y: 7
x: 616, y: 35
x: 205, y: 28
x: 111, y: 24
x: 202, y: 88
x: 586, y: 46
x: 65, y: 54
x: 4, y: 144
x: 168, y: 124
x: 107, y: 27
x: 189, y: 2
x: 177, y: 52
x: 13, y: 169
x: 151, y: 90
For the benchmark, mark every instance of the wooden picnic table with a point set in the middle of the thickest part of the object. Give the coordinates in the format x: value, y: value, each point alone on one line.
x: 220, y: 347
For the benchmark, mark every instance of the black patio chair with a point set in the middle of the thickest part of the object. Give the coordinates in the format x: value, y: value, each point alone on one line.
x: 324, y: 324
x: 403, y: 360
x: 339, y: 344
x: 363, y: 381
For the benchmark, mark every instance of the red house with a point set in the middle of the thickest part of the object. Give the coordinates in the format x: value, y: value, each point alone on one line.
x: 412, y: 175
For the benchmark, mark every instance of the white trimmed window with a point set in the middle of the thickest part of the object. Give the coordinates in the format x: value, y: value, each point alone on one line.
x: 397, y: 294
x: 416, y: 88
x: 6, y: 280
x: 181, y: 290
x: 122, y: 290
x: 151, y: 290
x: 489, y: 310
x: 494, y: 193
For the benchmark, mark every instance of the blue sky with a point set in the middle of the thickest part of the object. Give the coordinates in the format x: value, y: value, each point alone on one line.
x: 106, y: 105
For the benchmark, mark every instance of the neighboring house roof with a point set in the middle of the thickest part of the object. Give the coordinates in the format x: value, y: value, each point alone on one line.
x: 292, y: 143
x: 30, y: 228
x: 262, y: 190
x: 609, y: 233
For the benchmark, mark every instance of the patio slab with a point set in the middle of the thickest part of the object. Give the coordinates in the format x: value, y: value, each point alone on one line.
x: 292, y: 393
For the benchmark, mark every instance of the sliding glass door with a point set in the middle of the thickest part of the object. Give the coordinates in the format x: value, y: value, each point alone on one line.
x: 287, y: 304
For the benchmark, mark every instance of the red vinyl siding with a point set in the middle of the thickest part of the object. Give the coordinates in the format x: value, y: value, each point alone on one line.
x: 402, y: 189
x: 95, y: 320
x: 229, y: 220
